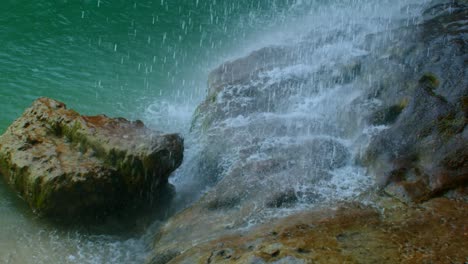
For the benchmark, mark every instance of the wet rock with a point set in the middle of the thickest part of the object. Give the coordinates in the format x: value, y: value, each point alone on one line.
x: 281, y: 199
x: 71, y: 166
x: 164, y: 257
x: 269, y: 157
x: 433, y: 231
x: 224, y: 202
x: 272, y: 250
x: 386, y: 115
x: 247, y: 68
x: 250, y: 188
x: 414, y: 159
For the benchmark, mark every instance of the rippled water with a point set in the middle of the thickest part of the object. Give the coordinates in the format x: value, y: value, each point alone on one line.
x: 118, y: 56
x: 149, y: 60
x: 137, y: 59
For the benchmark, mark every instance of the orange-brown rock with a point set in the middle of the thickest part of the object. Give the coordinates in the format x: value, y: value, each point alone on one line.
x: 67, y: 165
x: 432, y: 232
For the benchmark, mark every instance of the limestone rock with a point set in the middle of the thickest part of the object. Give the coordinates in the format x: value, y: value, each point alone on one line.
x: 260, y: 160
x: 351, y: 233
x: 423, y: 153
x: 67, y: 165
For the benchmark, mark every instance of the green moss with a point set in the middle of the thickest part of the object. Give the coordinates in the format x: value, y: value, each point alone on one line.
x: 40, y: 195
x: 71, y: 132
x: 114, y: 158
x: 81, y: 141
x: 29, y: 188
x: 450, y: 124
x: 426, y: 131
x: 205, y: 121
x: 212, y: 97
x: 55, y: 129
x: 195, y: 118
x: 430, y: 80
x: 206, y: 124
x: 4, y: 165
x: 388, y: 115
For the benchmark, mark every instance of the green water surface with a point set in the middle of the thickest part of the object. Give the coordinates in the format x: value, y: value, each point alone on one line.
x: 113, y: 57
x: 118, y: 56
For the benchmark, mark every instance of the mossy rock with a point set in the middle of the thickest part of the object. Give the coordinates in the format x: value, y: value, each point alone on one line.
x: 70, y: 166
x: 430, y: 82
x: 450, y: 124
x: 387, y: 115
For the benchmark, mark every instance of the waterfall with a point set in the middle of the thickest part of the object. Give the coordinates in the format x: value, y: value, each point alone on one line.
x: 287, y: 119
x: 273, y: 99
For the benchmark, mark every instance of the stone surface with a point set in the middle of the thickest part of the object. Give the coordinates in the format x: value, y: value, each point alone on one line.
x: 269, y: 145
x: 424, y: 152
x: 432, y: 232
x: 67, y: 165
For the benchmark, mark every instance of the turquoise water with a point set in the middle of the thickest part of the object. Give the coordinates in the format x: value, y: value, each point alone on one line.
x: 136, y: 59
x: 149, y: 60
x: 118, y: 57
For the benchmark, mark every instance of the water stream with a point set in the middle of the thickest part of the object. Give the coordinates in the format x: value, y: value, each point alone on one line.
x: 150, y: 60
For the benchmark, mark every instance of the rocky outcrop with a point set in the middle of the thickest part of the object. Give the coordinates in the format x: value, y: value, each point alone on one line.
x: 252, y: 190
x: 424, y: 151
x: 281, y: 125
x: 255, y: 157
x: 349, y: 233
x: 70, y: 166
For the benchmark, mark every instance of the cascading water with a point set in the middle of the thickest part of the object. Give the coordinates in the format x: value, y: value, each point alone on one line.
x: 288, y: 119
x: 283, y: 129
x: 281, y: 133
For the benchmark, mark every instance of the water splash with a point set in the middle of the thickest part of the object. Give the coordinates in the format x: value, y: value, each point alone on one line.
x: 313, y: 99
x: 289, y: 117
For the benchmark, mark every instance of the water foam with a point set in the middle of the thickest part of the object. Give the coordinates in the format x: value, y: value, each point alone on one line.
x: 325, y: 101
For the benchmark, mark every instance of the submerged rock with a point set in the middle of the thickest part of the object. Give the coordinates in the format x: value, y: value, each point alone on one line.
x: 67, y: 165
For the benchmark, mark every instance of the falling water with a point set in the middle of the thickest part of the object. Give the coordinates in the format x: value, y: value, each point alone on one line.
x: 301, y: 106
x: 158, y: 74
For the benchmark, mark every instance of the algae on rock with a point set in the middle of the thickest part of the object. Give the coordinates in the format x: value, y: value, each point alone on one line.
x: 71, y: 166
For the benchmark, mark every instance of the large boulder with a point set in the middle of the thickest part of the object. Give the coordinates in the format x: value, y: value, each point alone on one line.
x: 67, y: 165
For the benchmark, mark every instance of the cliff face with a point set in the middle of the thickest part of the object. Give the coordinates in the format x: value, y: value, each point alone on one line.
x: 408, y: 87
x: 70, y: 166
